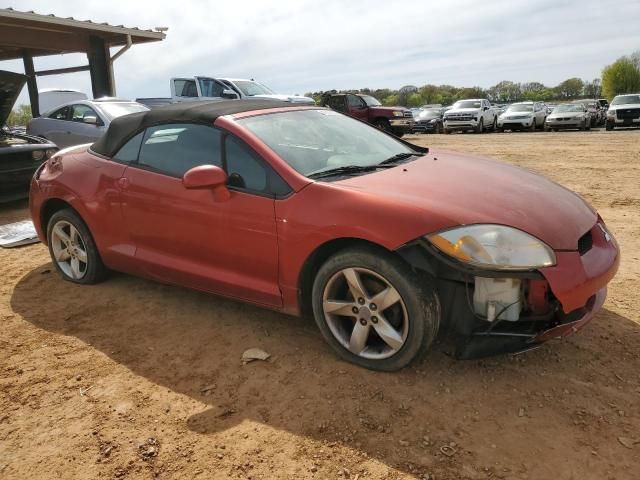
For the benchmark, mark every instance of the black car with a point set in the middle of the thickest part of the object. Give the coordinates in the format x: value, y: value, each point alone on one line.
x: 20, y: 154
x: 428, y: 120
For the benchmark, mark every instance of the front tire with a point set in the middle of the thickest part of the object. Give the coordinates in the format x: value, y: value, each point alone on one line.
x: 373, y: 310
x: 73, y: 250
x: 384, y: 125
x: 608, y: 126
x: 480, y: 127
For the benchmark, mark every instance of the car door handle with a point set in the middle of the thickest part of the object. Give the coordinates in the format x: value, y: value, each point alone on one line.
x: 123, y: 183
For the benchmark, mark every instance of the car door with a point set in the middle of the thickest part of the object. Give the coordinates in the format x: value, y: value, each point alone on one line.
x: 186, y: 236
x: 357, y: 107
x: 78, y: 130
x: 55, y: 126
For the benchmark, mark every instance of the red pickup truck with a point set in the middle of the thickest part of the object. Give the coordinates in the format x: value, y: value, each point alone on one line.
x: 397, y: 120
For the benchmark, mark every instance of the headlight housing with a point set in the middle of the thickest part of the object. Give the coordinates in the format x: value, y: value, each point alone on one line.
x: 398, y: 113
x: 37, y: 155
x: 494, y: 247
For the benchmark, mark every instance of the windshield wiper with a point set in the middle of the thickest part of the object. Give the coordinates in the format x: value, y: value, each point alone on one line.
x: 398, y: 157
x: 347, y: 169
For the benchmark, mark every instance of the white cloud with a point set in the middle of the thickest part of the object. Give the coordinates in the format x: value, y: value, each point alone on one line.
x: 306, y: 45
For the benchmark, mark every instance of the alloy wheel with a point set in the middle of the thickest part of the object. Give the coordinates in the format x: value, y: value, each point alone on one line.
x: 365, y: 313
x: 69, y: 249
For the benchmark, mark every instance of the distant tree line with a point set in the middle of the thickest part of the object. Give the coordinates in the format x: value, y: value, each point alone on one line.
x: 622, y: 76
x: 19, y: 116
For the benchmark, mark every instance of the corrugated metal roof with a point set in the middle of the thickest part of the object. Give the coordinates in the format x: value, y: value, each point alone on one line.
x: 52, y: 35
x: 70, y: 21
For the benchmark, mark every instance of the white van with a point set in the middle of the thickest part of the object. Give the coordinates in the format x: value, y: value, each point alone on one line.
x: 50, y: 98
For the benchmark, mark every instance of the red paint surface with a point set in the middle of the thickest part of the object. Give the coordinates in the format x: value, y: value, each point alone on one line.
x: 254, y: 248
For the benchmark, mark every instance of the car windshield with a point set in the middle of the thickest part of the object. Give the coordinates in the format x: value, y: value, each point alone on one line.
x: 314, y: 141
x: 370, y: 101
x: 568, y: 108
x: 114, y: 110
x: 521, y: 107
x: 626, y: 99
x: 468, y: 104
x: 250, y: 88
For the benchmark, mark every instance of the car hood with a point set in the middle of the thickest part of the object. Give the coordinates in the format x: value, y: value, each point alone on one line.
x: 10, y: 87
x: 459, y: 190
x: 462, y: 110
x: 288, y: 98
x: 624, y: 105
x: 565, y: 114
x: 381, y: 108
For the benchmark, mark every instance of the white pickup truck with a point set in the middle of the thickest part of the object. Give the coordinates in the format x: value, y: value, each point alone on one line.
x: 189, y: 89
x: 473, y: 114
x: 624, y: 111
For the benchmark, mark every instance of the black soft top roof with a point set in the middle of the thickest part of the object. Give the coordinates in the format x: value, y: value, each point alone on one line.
x: 123, y: 128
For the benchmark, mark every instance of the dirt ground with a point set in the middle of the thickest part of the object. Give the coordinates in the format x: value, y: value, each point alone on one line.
x: 133, y: 379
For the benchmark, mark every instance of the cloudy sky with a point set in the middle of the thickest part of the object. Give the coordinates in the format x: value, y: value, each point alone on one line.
x: 308, y: 45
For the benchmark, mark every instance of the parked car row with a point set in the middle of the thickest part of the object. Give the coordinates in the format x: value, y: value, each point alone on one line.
x: 478, y: 115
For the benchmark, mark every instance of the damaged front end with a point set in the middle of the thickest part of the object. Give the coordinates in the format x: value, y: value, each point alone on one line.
x: 509, y: 310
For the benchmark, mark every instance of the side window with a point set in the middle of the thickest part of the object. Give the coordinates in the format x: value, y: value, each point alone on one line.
x: 337, y: 103
x: 174, y: 148
x: 210, y: 88
x: 185, y: 88
x: 243, y: 169
x: 61, y: 114
x: 354, y: 101
x: 79, y: 112
x: 128, y: 153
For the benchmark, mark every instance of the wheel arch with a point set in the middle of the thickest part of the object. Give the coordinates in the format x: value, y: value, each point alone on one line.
x: 49, y: 208
x: 317, y: 258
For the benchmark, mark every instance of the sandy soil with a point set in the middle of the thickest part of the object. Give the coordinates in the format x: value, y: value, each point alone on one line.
x: 132, y: 379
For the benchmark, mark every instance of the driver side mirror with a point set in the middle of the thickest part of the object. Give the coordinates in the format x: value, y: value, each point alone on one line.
x: 229, y: 94
x: 208, y: 176
x: 486, y: 108
x: 90, y: 119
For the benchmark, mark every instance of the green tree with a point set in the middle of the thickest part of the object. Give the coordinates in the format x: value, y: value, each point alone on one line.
x: 414, y: 100
x: 622, y: 76
x: 19, y: 116
x: 570, y: 88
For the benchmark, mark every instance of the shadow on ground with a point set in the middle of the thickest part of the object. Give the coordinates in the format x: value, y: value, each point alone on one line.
x: 186, y: 341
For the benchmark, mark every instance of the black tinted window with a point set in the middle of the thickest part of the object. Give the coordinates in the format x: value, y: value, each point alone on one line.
x: 129, y: 151
x: 337, y: 103
x: 185, y: 88
x: 244, y: 170
x: 175, y: 148
x: 61, y: 114
x: 355, y: 101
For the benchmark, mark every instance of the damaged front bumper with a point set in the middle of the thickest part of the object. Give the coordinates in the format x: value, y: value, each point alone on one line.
x: 556, y: 301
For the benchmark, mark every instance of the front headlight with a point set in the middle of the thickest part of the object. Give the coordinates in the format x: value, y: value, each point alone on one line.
x: 37, y: 155
x: 397, y: 113
x: 494, y: 247
x: 611, y: 113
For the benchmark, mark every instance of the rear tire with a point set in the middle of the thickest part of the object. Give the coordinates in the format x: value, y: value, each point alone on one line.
x: 73, y: 250
x: 387, y: 336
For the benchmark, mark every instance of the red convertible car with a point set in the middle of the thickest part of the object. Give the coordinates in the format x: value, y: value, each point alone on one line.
x: 303, y: 209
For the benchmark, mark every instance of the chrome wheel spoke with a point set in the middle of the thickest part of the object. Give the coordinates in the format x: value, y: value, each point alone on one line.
x: 339, y: 307
x: 60, y: 234
x: 387, y: 297
x: 62, y: 254
x: 359, y: 336
x: 355, y: 283
x: 73, y: 234
x: 388, y: 334
x: 75, y: 268
x: 81, y: 254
